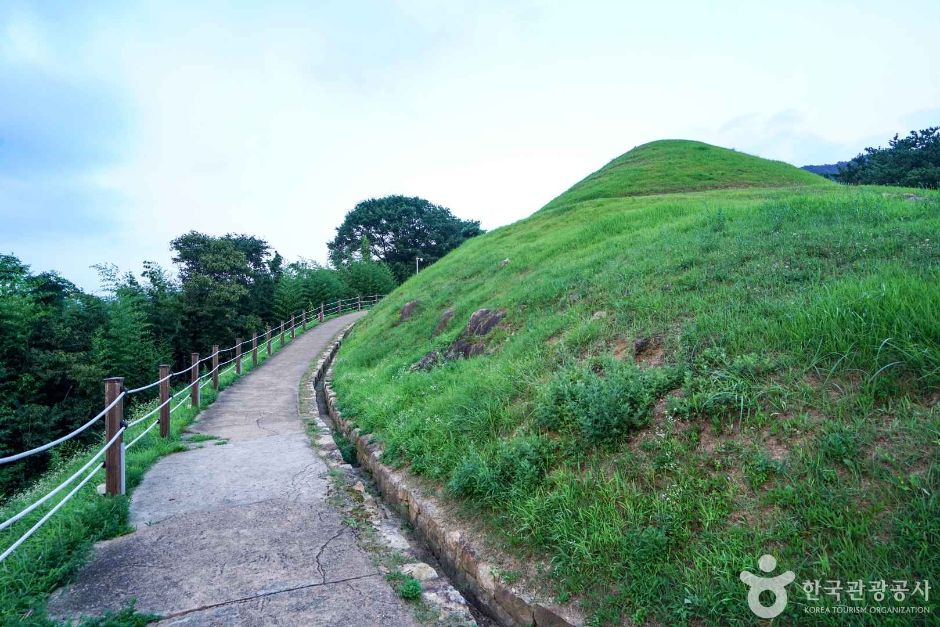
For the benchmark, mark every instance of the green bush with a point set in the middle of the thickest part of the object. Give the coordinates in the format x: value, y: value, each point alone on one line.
x: 602, y: 406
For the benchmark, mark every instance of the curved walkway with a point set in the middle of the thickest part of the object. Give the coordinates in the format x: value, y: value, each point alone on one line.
x: 241, y: 533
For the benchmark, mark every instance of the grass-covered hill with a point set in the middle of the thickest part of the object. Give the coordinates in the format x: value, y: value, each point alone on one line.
x: 669, y: 166
x: 705, y: 357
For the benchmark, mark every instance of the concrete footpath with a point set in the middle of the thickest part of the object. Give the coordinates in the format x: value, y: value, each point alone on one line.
x: 240, y: 533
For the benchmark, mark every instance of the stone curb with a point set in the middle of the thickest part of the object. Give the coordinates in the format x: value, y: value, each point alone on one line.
x: 456, y: 554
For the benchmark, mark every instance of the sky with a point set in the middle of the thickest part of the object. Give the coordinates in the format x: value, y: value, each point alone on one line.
x: 125, y: 124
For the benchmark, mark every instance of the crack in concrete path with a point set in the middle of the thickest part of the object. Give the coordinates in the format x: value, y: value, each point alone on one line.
x: 320, y: 568
x: 265, y: 595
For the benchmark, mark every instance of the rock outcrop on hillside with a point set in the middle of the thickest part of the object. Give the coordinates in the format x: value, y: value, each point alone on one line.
x: 470, y: 341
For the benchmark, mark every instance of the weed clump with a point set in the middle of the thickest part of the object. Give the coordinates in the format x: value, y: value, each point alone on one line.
x: 604, y: 403
x: 516, y: 465
x: 718, y: 386
x: 346, y: 448
x: 406, y: 586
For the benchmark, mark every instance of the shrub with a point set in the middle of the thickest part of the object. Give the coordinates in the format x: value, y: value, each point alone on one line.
x: 602, y: 407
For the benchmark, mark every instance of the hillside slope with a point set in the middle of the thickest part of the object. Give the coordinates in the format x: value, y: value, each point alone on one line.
x: 683, y: 381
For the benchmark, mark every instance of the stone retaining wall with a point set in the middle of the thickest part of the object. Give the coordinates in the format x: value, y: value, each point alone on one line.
x: 455, y: 552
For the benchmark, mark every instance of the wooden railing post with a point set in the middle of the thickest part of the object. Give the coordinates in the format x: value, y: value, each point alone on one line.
x: 359, y: 303
x: 282, y: 334
x: 194, y: 381
x: 254, y: 350
x: 267, y: 339
x: 114, y: 456
x: 238, y: 355
x: 164, y: 397
x: 215, y: 366
x: 303, y: 320
x: 321, y: 313
x: 292, y: 326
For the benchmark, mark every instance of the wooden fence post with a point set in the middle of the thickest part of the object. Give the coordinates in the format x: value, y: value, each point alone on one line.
x: 282, y: 334
x: 359, y: 303
x: 254, y: 350
x: 164, y: 398
x: 114, y: 456
x: 215, y: 366
x: 303, y: 320
x: 292, y: 326
x: 194, y: 381
x: 238, y: 355
x: 267, y: 339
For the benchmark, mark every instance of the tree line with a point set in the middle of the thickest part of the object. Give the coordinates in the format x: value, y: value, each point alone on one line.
x: 912, y: 161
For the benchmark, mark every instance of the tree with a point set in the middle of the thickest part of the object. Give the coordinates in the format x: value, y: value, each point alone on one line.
x: 228, y: 285
x: 913, y: 161
x: 365, y: 278
x: 320, y: 285
x: 396, y: 230
x: 124, y: 345
x: 48, y: 385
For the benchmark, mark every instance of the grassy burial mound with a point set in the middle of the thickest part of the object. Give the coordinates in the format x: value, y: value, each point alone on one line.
x: 689, y: 359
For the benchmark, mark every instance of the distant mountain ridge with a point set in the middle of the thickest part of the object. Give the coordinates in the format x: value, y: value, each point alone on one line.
x: 827, y: 169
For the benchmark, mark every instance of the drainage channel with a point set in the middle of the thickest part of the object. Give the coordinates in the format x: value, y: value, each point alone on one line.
x: 391, y: 530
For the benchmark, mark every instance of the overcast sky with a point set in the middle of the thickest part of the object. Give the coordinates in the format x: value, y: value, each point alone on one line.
x: 123, y: 125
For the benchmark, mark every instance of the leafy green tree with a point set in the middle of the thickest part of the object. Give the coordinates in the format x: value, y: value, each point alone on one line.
x: 164, y: 314
x: 912, y: 161
x: 48, y: 385
x: 304, y: 285
x: 124, y: 345
x: 364, y: 278
x: 228, y: 285
x: 398, y: 229
x: 322, y: 285
x: 288, y: 296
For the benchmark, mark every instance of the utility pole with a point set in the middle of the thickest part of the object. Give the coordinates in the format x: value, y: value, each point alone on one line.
x: 417, y: 261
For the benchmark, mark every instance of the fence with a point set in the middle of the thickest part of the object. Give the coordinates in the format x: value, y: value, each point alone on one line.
x: 115, y: 426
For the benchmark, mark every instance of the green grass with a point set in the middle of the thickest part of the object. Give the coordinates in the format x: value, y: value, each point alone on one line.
x: 55, y: 553
x: 668, y: 166
x: 788, y: 404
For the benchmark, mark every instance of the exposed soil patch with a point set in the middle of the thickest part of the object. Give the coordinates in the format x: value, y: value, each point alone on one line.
x: 776, y: 450
x: 648, y: 351
x: 621, y: 348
